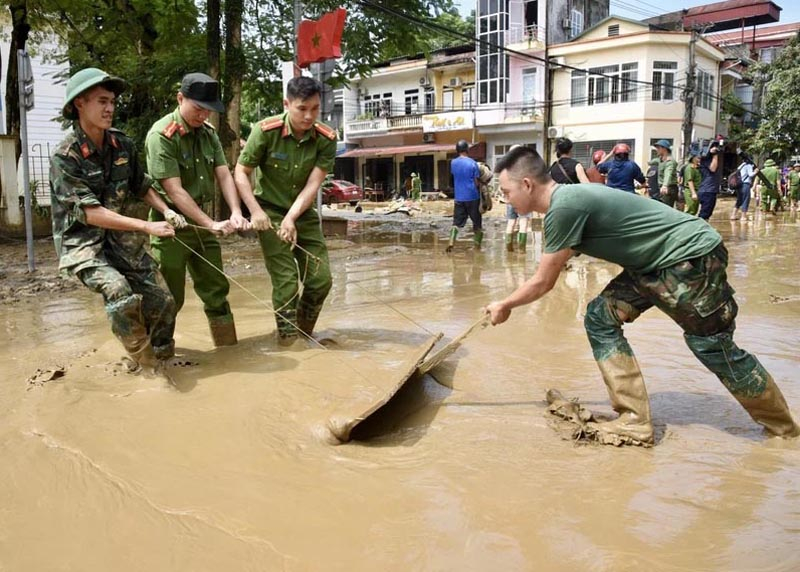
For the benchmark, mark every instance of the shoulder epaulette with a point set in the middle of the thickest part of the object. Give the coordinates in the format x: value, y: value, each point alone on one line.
x: 271, y: 123
x: 325, y: 131
x: 173, y: 127
x: 85, y: 151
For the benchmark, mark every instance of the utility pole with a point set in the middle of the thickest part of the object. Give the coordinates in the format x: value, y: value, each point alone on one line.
x: 25, y: 81
x: 689, y: 95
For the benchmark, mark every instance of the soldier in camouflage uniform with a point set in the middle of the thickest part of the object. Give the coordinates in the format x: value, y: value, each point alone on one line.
x: 185, y: 157
x: 670, y: 260
x: 293, y: 153
x: 96, y: 180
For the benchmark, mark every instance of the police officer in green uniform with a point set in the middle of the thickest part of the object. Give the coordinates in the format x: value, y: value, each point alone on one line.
x: 185, y: 157
x: 293, y: 153
x: 670, y: 260
x: 96, y: 179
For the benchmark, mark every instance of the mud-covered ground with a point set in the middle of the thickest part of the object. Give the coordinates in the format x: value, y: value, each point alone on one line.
x: 228, y: 467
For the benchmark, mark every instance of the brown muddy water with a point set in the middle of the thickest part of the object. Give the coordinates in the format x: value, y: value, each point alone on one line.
x: 104, y: 472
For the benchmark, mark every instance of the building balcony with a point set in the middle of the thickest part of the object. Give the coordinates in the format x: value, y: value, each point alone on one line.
x: 526, y: 37
x: 383, y: 125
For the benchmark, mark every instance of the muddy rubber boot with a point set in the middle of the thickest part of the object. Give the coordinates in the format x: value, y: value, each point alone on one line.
x: 223, y: 331
x: 477, y: 239
x: 510, y: 241
x: 771, y: 411
x: 735, y: 214
x: 522, y: 241
x: 628, y: 395
x: 452, y: 242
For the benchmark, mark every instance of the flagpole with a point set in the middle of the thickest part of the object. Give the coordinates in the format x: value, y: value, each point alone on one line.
x: 298, y: 15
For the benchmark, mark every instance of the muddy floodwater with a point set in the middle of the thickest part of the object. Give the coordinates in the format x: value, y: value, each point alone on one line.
x: 228, y: 470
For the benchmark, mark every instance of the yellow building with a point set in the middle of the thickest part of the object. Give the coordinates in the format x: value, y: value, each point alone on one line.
x: 632, y: 88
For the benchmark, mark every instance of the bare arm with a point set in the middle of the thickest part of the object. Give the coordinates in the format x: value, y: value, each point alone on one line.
x: 153, y: 199
x: 714, y: 163
x: 241, y: 177
x: 304, y: 200
x: 533, y: 289
x: 581, y: 174
x: 104, y: 218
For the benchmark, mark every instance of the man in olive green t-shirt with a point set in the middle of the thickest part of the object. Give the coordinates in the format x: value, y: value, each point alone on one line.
x: 670, y: 260
x: 293, y: 153
x: 185, y: 157
x: 667, y: 173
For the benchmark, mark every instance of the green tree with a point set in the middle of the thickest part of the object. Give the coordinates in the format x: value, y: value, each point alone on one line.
x: 778, y: 133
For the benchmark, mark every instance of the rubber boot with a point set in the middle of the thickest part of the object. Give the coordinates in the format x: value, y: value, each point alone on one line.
x: 771, y: 411
x: 307, y: 316
x: 452, y: 242
x: 628, y: 395
x: 477, y: 239
x: 522, y: 241
x: 735, y: 214
x: 223, y: 331
x: 127, y: 323
x: 510, y: 241
x: 287, y: 327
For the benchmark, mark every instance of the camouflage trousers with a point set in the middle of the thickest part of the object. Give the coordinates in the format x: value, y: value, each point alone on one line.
x: 290, y: 269
x: 137, y: 301
x: 696, y: 295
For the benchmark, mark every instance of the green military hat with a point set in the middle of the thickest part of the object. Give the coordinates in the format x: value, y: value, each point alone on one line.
x: 85, y: 79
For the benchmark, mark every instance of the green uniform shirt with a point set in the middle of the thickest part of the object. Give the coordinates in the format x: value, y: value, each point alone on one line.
x: 174, y: 149
x: 794, y: 180
x: 640, y: 235
x: 668, y: 173
x: 284, y: 162
x: 690, y: 173
x: 772, y: 174
x: 83, y: 176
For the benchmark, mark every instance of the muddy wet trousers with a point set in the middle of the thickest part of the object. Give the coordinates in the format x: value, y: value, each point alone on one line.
x: 137, y: 302
x: 300, y: 283
x: 210, y: 285
x: 696, y: 295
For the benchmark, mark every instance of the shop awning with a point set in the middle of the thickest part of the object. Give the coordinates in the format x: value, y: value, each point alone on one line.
x: 399, y: 150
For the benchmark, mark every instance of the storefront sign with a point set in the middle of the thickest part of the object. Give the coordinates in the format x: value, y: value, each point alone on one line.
x: 448, y: 121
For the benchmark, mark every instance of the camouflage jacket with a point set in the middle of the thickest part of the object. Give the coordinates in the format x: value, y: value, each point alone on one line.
x: 83, y: 176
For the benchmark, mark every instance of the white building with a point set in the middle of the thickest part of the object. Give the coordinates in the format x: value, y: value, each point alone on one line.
x: 44, y: 129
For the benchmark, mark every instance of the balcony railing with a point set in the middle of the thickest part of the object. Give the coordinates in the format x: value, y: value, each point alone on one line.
x: 374, y: 126
x: 526, y: 34
x: 405, y: 121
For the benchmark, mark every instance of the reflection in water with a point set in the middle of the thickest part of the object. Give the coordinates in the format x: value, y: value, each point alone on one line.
x: 109, y: 472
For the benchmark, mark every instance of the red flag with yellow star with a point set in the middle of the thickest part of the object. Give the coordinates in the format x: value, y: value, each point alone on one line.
x: 320, y: 40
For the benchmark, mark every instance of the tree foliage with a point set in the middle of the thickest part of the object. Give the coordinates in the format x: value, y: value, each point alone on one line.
x: 778, y: 134
x: 153, y: 43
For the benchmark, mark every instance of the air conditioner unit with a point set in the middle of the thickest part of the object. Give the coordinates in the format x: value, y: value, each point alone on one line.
x: 423, y: 81
x: 455, y: 81
x: 555, y: 131
x: 566, y: 23
x: 428, y: 138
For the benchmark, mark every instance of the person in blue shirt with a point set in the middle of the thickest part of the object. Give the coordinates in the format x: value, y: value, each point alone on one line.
x: 621, y: 172
x: 465, y: 173
x: 709, y: 182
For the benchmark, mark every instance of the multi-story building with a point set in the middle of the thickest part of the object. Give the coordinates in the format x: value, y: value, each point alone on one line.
x: 623, y: 82
x: 406, y: 117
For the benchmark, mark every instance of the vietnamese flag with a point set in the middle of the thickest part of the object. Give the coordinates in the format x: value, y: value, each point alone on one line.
x: 320, y: 40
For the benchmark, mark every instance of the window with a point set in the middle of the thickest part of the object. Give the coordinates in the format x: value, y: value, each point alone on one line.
x: 531, y: 17
x: 629, y: 88
x: 613, y: 30
x: 604, y: 84
x: 468, y: 97
x: 576, y: 23
x: 447, y: 100
x: 492, y: 62
x: 430, y: 100
x: 529, y: 89
x: 664, y: 80
x: 412, y: 101
x: 705, y: 90
x: 578, y: 95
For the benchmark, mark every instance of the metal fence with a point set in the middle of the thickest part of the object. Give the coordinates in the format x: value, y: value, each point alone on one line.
x: 39, y: 169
